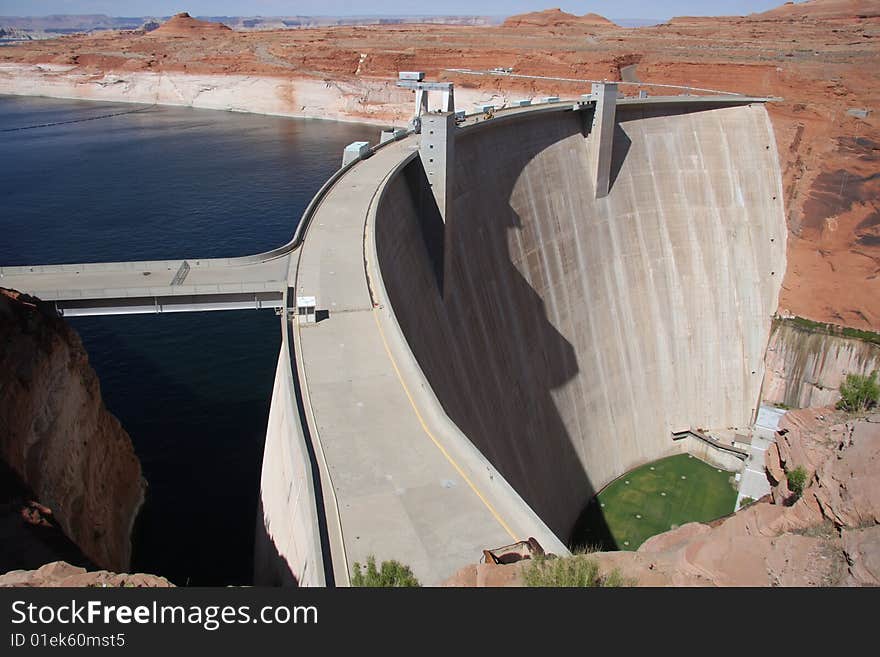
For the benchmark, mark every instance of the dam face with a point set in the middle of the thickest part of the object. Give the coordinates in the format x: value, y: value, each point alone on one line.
x: 567, y: 336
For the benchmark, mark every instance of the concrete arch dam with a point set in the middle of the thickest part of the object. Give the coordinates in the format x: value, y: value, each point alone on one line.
x: 518, y: 310
x: 567, y: 335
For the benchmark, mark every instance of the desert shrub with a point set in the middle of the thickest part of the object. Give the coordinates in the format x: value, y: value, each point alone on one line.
x: 389, y: 574
x: 797, y: 479
x: 576, y: 571
x: 859, y: 392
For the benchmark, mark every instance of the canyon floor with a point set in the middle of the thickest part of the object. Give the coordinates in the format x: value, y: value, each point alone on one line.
x: 827, y: 536
x: 820, y: 57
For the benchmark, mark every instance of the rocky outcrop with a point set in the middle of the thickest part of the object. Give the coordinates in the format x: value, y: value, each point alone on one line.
x: 13, y: 33
x: 830, y: 536
x: 556, y: 18
x: 842, y: 460
x: 29, y: 532
x: 58, y: 436
x: 62, y: 574
x: 822, y: 10
x: 862, y: 550
x: 805, y: 368
x: 184, y: 25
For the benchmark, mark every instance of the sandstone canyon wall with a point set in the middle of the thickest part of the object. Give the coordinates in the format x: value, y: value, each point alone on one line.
x: 58, y: 436
x: 377, y: 101
x: 805, y: 368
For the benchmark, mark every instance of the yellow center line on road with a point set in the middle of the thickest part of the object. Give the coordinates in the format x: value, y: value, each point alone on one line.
x: 434, y: 440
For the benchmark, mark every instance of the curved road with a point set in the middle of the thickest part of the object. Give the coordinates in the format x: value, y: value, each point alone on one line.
x: 403, y: 482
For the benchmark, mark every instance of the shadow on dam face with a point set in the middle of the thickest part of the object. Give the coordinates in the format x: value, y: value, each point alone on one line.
x: 571, y: 334
x: 498, y: 357
x: 431, y: 224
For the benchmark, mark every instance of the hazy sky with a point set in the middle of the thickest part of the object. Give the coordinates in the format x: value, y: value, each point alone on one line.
x: 611, y: 8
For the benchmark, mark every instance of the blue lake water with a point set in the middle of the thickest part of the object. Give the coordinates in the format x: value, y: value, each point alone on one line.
x: 192, y: 389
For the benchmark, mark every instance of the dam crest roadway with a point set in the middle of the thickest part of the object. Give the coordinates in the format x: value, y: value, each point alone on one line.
x: 514, y: 310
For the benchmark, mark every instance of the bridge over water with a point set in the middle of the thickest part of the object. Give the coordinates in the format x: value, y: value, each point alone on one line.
x: 509, y: 325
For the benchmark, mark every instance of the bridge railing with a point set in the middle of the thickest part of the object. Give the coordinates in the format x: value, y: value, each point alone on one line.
x: 679, y: 87
x: 122, y: 266
x: 300, y: 231
x: 161, y: 291
x: 315, y: 203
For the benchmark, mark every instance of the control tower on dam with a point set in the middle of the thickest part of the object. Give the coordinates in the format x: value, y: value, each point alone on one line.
x: 584, y: 280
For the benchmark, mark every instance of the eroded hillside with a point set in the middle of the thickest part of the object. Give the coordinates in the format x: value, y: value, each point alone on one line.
x: 821, y: 57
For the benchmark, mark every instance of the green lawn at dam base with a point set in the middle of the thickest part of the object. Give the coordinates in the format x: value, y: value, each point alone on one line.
x: 652, y: 499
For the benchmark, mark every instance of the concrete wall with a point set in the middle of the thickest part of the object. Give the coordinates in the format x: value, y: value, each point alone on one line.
x: 806, y: 368
x: 573, y: 334
x: 288, y: 544
x: 711, y: 454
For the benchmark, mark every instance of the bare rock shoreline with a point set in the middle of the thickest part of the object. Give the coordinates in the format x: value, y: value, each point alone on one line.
x: 372, y: 101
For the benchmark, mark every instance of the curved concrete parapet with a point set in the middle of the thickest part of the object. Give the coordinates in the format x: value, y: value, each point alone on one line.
x: 288, y: 549
x: 399, y: 480
x: 566, y: 336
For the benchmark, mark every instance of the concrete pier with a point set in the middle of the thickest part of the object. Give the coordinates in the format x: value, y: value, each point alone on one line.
x: 437, y: 151
x: 601, y: 137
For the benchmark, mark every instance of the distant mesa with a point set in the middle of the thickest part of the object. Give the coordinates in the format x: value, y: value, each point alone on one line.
x: 183, y: 24
x: 846, y: 10
x: 558, y: 19
x: 823, y: 9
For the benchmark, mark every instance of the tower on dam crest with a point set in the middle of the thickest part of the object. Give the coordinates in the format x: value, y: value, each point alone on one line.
x: 601, y: 137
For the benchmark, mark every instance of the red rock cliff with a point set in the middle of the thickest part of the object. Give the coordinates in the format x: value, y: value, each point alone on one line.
x: 56, y: 433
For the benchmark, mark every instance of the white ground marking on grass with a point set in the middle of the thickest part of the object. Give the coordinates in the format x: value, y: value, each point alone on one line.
x: 683, y: 477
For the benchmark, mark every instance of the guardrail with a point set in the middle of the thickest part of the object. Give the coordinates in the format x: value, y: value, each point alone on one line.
x: 161, y: 291
x: 304, y: 222
x: 712, y: 442
x: 301, y: 228
x: 313, y: 205
x: 467, y: 71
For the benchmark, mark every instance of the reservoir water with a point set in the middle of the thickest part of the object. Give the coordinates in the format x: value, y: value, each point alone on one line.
x: 98, y: 182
